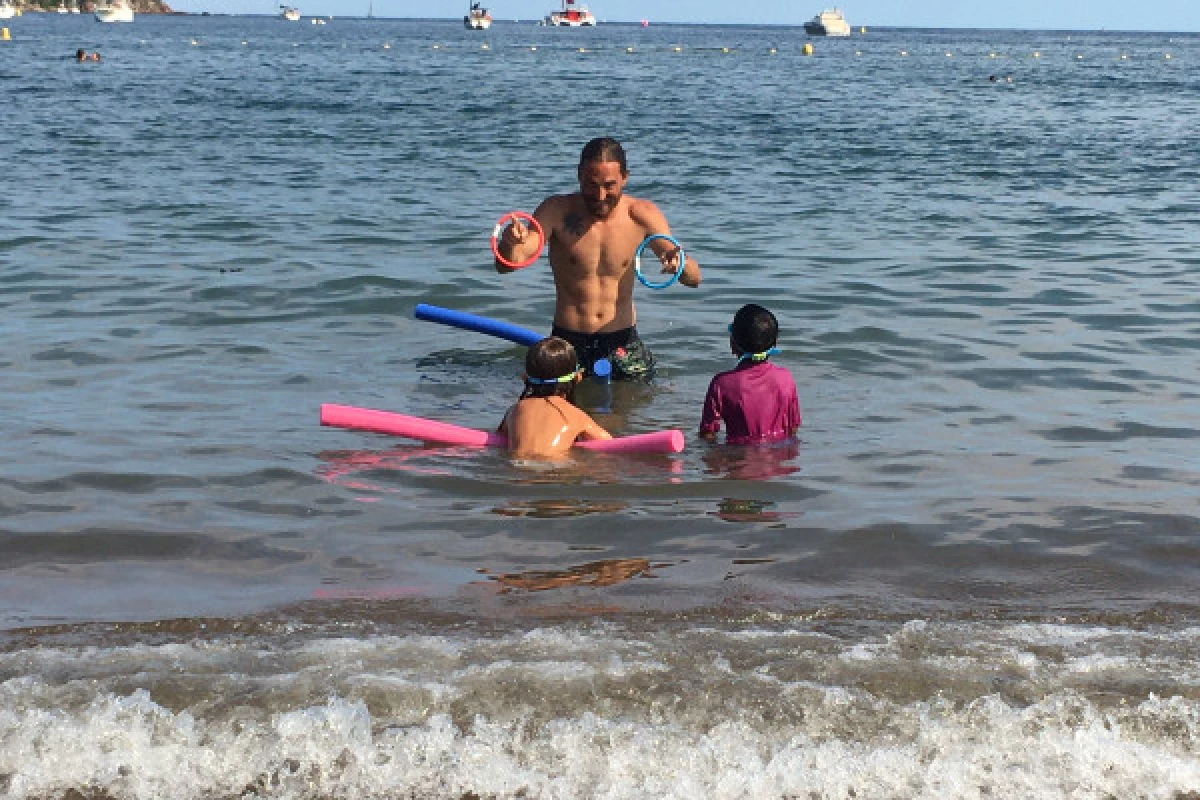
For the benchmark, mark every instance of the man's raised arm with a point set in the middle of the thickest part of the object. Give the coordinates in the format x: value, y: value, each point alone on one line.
x: 520, y: 242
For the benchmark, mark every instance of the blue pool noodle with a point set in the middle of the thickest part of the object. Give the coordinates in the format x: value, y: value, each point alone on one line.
x: 474, y: 322
x: 492, y: 327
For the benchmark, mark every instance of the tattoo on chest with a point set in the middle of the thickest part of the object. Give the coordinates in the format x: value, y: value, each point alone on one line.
x: 574, y: 224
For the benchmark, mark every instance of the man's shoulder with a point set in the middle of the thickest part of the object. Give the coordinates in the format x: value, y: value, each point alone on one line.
x: 558, y: 201
x: 640, y: 207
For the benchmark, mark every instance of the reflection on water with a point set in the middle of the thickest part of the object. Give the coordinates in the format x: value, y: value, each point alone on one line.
x: 345, y: 468
x: 341, y: 466
x: 753, y: 463
x: 554, y: 508
x: 594, y: 573
x: 733, y: 509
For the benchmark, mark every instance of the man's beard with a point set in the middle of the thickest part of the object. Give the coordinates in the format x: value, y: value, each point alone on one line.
x: 601, y: 209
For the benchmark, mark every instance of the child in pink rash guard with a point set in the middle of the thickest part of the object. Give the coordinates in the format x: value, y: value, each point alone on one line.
x: 756, y: 399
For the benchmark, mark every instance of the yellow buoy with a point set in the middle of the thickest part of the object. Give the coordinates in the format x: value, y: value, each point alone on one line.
x: 808, y: 49
x: 5, y: 35
x: 1037, y: 55
x: 862, y: 29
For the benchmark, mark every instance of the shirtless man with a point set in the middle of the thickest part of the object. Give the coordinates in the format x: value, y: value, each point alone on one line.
x: 593, y: 235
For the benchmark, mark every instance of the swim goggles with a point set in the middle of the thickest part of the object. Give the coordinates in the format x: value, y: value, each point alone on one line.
x: 568, y: 378
x: 756, y: 357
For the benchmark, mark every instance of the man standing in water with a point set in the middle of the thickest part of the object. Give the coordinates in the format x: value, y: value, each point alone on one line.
x: 593, y: 235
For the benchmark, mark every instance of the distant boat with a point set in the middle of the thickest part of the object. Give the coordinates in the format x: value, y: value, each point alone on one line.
x: 477, y: 18
x: 571, y: 15
x: 114, y: 11
x: 62, y: 8
x: 290, y: 13
x: 829, y: 22
x: 7, y: 10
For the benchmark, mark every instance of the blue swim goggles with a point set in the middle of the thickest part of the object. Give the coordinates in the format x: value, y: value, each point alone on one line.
x: 756, y: 357
x: 568, y: 378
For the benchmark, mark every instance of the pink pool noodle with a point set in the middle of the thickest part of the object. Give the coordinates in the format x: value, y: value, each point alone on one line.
x: 427, y: 430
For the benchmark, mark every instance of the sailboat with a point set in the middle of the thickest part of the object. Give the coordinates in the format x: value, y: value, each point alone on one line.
x: 477, y: 18
x: 290, y: 13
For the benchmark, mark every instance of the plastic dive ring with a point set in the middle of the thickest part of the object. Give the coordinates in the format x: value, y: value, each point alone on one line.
x: 637, y: 261
x: 499, y: 230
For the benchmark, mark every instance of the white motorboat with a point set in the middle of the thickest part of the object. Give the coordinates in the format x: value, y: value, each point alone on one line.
x: 62, y: 8
x: 7, y: 10
x: 114, y: 11
x: 290, y: 13
x: 571, y: 15
x: 829, y: 22
x: 477, y: 18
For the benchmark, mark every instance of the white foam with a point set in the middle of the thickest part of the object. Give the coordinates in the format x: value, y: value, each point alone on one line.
x: 608, y: 711
x: 1063, y: 746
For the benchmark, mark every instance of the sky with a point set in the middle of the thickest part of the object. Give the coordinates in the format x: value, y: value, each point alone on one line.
x: 1114, y: 15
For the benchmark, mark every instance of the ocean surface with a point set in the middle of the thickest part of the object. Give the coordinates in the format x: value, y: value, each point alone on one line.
x: 976, y: 575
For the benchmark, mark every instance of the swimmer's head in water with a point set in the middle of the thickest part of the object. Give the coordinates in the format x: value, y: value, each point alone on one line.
x: 602, y: 176
x: 754, y: 330
x: 551, y: 368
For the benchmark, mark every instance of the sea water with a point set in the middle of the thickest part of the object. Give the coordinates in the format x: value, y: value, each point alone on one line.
x: 975, y: 575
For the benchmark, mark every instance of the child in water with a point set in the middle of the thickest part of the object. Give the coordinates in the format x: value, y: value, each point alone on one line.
x: 756, y: 399
x: 544, y: 422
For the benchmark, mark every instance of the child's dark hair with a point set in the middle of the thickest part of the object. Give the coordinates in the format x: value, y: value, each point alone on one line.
x: 547, y: 360
x: 754, y: 329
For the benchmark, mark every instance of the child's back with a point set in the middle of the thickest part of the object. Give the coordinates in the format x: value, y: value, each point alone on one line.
x: 756, y: 399
x: 544, y: 423
x: 543, y: 427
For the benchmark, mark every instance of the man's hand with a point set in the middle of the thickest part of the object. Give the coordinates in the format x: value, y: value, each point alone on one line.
x: 670, y: 261
x: 514, y: 234
x: 518, y: 243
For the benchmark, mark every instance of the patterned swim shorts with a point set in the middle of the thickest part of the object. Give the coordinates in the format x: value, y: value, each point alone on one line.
x: 631, y: 360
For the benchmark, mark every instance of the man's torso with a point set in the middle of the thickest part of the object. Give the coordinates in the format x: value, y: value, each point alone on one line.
x: 592, y: 260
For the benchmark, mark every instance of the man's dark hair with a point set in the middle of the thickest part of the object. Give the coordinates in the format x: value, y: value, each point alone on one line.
x: 550, y: 358
x: 755, y: 329
x: 604, y: 149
